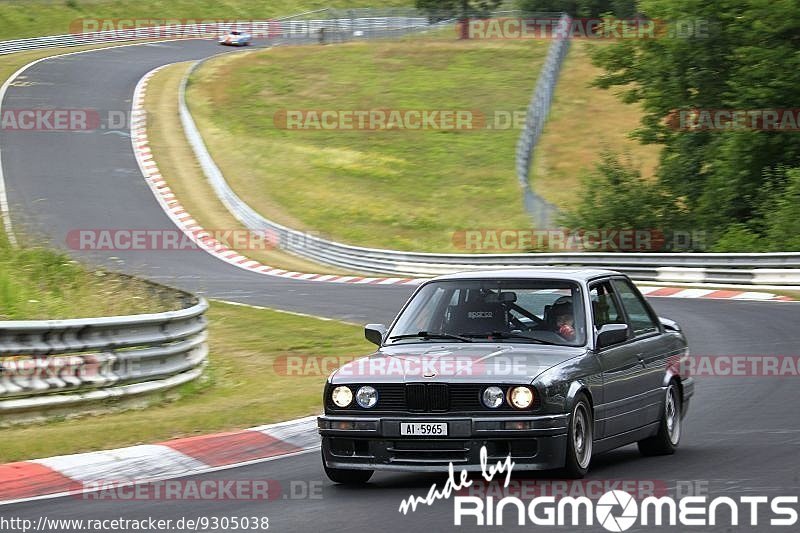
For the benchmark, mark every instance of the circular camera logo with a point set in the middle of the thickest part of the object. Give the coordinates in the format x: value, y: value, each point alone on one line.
x: 610, y: 500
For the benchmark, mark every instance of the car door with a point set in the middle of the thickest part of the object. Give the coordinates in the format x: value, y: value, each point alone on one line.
x: 653, y: 347
x: 623, y: 373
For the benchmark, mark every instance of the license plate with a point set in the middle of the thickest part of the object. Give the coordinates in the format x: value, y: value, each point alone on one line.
x: 424, y: 428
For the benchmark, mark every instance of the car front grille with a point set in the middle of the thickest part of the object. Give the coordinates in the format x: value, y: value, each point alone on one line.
x: 416, y: 398
x: 425, y: 398
x: 428, y: 397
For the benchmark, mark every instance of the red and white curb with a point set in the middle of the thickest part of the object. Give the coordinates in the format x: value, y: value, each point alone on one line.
x: 88, y: 472
x: 166, y: 198
x: 172, y: 207
x: 714, y: 294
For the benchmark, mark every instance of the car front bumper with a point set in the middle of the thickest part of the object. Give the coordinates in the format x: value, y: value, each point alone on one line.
x: 366, y: 443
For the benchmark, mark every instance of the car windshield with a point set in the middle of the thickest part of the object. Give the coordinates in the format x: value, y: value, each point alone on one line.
x: 524, y: 310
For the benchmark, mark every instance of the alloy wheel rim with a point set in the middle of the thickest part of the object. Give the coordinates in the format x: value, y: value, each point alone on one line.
x: 673, y: 416
x: 581, y: 436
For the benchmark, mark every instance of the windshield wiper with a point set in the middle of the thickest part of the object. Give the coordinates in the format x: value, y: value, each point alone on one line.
x: 428, y: 335
x: 510, y: 335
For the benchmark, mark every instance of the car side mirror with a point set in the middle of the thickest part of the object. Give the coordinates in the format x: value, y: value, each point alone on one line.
x: 669, y: 325
x: 611, y: 334
x: 374, y: 333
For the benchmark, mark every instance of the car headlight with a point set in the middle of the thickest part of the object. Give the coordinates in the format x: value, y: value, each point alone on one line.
x: 520, y: 397
x: 367, y: 396
x: 493, y: 397
x: 342, y: 396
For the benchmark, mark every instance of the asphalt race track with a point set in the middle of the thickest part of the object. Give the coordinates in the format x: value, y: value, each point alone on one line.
x: 741, y: 437
x: 58, y: 181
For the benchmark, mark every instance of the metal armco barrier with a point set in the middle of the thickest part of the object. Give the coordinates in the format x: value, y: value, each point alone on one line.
x: 717, y: 268
x: 542, y: 212
x: 52, y: 363
x: 749, y: 269
x: 293, y: 27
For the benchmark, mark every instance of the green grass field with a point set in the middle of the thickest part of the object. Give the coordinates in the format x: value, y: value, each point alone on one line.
x: 37, y: 283
x: 584, y: 122
x: 405, y: 189
x: 34, y: 18
x: 245, y: 385
x: 179, y: 167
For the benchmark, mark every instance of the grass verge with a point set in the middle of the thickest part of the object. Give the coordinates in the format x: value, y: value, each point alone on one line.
x: 243, y: 387
x: 584, y: 121
x: 405, y: 189
x: 37, y: 283
x: 181, y: 171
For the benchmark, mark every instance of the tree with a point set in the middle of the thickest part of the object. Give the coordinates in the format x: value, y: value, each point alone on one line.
x: 616, y: 196
x: 463, y: 10
x: 730, y: 54
x: 448, y: 9
x: 581, y: 8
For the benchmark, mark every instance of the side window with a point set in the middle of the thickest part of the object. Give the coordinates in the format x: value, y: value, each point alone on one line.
x: 604, y: 306
x: 640, y: 318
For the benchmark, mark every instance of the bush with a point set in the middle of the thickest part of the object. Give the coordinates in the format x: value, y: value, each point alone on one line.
x: 739, y: 238
x: 616, y: 196
x: 782, y: 214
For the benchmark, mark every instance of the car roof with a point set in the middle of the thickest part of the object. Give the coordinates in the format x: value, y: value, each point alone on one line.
x: 560, y: 273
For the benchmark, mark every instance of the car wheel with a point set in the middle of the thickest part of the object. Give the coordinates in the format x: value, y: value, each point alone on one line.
x: 579, y: 439
x: 345, y: 476
x: 666, y: 441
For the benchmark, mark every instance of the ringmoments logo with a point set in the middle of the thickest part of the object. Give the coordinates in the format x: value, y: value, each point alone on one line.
x: 618, y: 510
x: 605, y: 510
x: 615, y: 510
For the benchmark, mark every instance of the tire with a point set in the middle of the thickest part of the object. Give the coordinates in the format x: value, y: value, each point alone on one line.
x: 666, y: 441
x: 579, y: 438
x: 346, y: 476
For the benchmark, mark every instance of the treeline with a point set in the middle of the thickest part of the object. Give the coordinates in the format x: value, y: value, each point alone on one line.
x: 581, y: 8
x: 446, y: 9
x: 719, y: 85
x: 722, y: 101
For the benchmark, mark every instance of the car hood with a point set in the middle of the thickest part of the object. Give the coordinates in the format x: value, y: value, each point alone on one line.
x: 449, y: 362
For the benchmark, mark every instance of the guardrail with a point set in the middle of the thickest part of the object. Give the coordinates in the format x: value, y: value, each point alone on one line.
x: 292, y: 27
x: 46, y: 364
x: 540, y: 209
x: 711, y: 268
